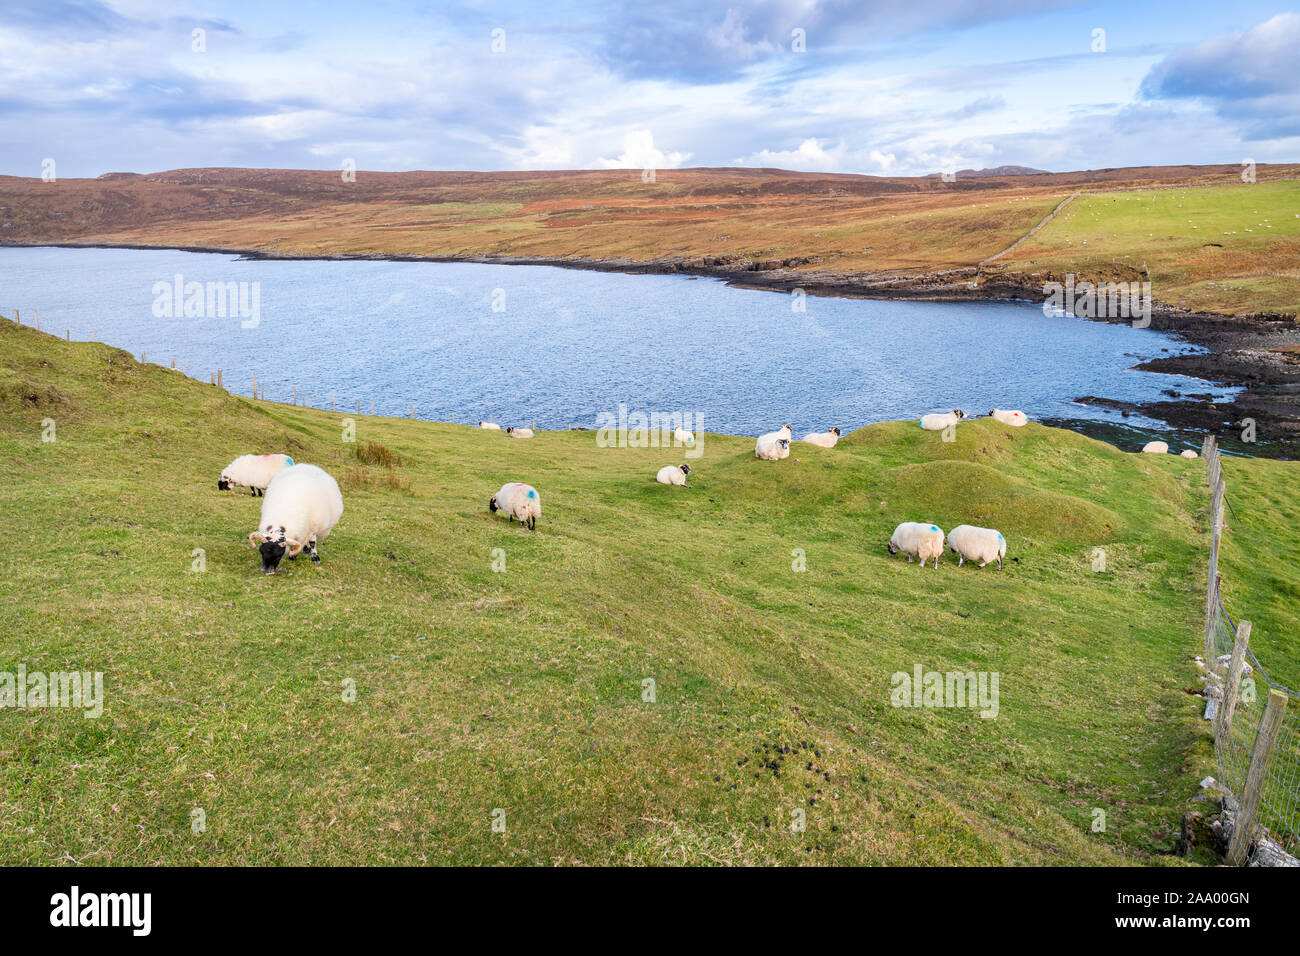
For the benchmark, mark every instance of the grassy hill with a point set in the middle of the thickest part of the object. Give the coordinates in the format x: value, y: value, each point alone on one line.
x: 523, y: 690
x: 735, y: 220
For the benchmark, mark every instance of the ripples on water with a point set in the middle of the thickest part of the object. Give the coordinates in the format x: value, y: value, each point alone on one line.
x: 572, y: 344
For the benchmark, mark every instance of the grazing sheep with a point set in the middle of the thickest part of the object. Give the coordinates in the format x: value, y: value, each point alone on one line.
x: 673, y: 475
x: 518, y: 501
x: 977, y: 544
x: 825, y: 439
x: 301, y: 507
x: 1188, y: 453
x: 253, y: 472
x: 937, y: 422
x: 1014, y: 419
x: 918, y: 540
x: 773, y: 450
x: 519, y: 432
x: 493, y: 425
x: 1156, y: 447
x: 682, y: 435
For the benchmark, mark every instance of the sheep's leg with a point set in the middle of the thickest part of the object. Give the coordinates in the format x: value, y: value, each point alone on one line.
x: 936, y: 562
x: 311, y: 547
x: 999, y: 564
x: 909, y: 559
x: 961, y: 559
x: 982, y: 565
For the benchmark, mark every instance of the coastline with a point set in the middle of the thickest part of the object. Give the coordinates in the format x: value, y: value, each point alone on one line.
x: 1241, y: 349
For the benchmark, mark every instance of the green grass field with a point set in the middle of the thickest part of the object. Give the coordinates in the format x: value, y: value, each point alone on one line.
x: 1231, y: 249
x: 522, y: 691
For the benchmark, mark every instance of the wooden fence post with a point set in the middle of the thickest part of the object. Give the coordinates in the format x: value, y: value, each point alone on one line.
x: 358, y: 406
x: 1231, y: 683
x: 67, y: 335
x: 37, y: 313
x: 173, y: 362
x: 144, y: 357
x: 1219, y: 490
x: 372, y: 406
x: 1211, y: 618
x: 334, y: 407
x: 254, y: 386
x: 1243, y: 829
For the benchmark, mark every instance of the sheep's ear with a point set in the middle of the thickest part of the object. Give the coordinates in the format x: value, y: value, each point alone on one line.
x: 255, y: 537
x: 294, y: 547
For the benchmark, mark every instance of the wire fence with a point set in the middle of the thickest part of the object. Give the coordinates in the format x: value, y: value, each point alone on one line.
x: 1257, y: 719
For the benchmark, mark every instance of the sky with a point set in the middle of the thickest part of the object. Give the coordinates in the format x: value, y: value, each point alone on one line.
x: 900, y: 87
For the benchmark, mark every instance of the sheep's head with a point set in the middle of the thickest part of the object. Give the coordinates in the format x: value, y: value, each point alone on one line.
x: 686, y: 469
x: 992, y: 412
x: 273, y: 544
x: 835, y: 430
x: 492, y: 504
x: 959, y: 413
x: 223, y: 483
x: 891, y: 547
x: 510, y: 430
x: 783, y: 442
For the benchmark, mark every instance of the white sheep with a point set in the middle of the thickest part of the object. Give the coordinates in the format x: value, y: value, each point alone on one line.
x: 682, y: 435
x: 253, y: 471
x: 673, y: 475
x: 519, y: 501
x: 1156, y: 447
x: 826, y: 439
x: 917, y: 539
x: 938, y: 422
x: 977, y: 544
x: 1188, y: 453
x: 1014, y: 419
x: 519, y: 432
x: 301, y: 507
x: 785, y: 431
x: 492, y: 425
x: 773, y: 450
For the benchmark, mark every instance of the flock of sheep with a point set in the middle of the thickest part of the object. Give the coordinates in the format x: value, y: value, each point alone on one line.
x: 301, y: 504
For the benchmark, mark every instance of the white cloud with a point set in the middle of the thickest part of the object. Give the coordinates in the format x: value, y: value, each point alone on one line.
x: 640, y: 152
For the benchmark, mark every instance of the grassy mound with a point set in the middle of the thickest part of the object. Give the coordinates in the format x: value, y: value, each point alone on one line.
x: 760, y: 601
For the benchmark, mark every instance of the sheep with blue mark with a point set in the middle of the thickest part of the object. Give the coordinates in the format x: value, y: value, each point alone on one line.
x: 519, y: 501
x: 918, y: 539
x: 984, y: 545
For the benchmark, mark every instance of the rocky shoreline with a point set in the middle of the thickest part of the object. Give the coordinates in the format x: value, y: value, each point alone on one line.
x: 1259, y: 352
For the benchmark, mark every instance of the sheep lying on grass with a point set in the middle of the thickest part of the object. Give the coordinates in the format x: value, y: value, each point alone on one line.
x: 977, y: 544
x: 1156, y: 447
x: 1013, y: 418
x: 491, y: 425
x: 519, y: 432
x: 917, y: 539
x: 253, y: 472
x: 938, y: 422
x: 774, y: 450
x: 519, y: 501
x: 301, y: 507
x: 826, y: 439
x: 673, y: 475
x: 682, y: 435
x: 1188, y: 453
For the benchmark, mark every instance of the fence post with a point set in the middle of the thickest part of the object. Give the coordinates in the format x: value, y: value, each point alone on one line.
x: 1223, y: 730
x: 38, y: 319
x: 67, y: 335
x: 1211, y: 614
x: 254, y: 386
x: 219, y: 378
x: 1243, y: 830
x: 372, y: 406
x: 144, y: 357
x: 1219, y: 489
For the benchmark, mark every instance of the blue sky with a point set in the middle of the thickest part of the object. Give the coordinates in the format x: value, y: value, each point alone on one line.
x: 901, y: 87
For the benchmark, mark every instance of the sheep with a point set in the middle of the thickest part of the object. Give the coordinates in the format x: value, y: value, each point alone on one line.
x: 1156, y: 448
x: 491, y: 425
x: 519, y: 432
x: 919, y: 540
x: 774, y: 450
x: 937, y: 422
x: 301, y: 506
x: 253, y: 472
x: 785, y: 431
x: 518, y: 501
x: 977, y: 544
x: 826, y: 439
x: 673, y: 475
x: 1188, y: 453
x: 1014, y: 419
x: 682, y: 435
